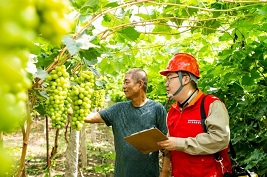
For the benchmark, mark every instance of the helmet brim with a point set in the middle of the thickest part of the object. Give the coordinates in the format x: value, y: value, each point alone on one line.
x: 164, y: 73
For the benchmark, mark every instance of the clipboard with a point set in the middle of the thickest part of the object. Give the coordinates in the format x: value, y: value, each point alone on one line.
x: 146, y: 141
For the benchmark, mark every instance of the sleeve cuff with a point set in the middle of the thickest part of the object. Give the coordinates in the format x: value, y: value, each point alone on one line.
x: 180, y: 144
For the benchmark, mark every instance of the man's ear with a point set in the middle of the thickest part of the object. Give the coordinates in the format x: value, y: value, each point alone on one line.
x: 141, y: 83
x: 186, y: 79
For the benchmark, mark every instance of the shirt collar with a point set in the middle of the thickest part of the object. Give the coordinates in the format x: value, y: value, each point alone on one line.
x: 192, y: 100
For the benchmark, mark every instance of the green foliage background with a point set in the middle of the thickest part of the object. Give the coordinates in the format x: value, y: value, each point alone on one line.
x: 227, y: 37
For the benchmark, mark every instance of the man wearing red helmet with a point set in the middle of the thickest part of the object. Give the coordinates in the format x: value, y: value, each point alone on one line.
x: 192, y: 149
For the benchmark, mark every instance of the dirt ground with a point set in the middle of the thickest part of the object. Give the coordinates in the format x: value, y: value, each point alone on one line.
x: 99, y: 144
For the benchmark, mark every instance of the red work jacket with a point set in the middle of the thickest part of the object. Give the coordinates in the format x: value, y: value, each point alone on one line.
x: 187, y: 124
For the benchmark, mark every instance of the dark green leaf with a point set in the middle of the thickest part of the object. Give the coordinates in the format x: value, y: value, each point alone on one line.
x: 130, y: 33
x: 161, y: 28
x: 90, y: 56
x: 112, y: 4
x: 247, y: 80
x: 92, y: 3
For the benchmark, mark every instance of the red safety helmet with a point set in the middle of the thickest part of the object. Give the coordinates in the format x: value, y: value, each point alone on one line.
x: 182, y: 62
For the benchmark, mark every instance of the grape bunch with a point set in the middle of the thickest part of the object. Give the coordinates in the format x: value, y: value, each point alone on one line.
x: 58, y: 101
x: 81, y: 95
x: 13, y: 86
x: 16, y: 34
x: 20, y: 25
x: 52, y: 19
x: 98, y: 99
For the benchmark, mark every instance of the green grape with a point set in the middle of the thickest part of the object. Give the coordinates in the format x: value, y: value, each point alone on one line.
x: 13, y: 86
x: 98, y: 99
x: 59, y: 103
x: 5, y: 161
x: 102, y: 98
x: 18, y: 23
x: 53, y: 23
x: 81, y: 95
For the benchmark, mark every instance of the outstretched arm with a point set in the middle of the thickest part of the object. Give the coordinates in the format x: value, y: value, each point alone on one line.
x: 94, y: 118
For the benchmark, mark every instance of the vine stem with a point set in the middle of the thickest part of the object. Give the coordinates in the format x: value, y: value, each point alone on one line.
x: 26, y: 135
x: 54, y: 149
x: 48, y: 162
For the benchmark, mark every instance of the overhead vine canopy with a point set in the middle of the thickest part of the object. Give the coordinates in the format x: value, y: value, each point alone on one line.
x: 147, y: 33
x: 121, y: 34
x: 132, y: 30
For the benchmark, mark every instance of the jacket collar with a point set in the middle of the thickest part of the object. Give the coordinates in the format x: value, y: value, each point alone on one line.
x: 191, y: 101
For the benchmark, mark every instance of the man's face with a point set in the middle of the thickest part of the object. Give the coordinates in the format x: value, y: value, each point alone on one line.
x: 172, y: 82
x: 131, y: 87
